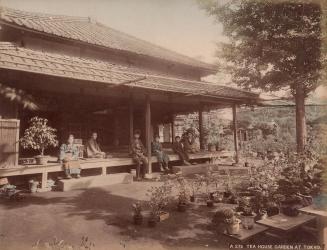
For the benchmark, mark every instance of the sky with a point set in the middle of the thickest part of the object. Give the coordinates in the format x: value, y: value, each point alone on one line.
x: 179, y: 25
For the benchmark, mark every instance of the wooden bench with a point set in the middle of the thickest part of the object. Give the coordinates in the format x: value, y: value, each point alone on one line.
x: 90, y: 164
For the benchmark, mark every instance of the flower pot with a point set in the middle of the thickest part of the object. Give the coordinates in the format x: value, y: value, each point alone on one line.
x: 138, y: 219
x: 152, y: 222
x: 233, y: 228
x: 181, y: 207
x: 273, y: 210
x: 247, y: 221
x: 192, y: 198
x: 209, y: 203
x: 163, y: 216
x: 41, y: 160
x: 33, y: 186
x: 246, y: 164
x: 212, y: 147
x: 290, y: 210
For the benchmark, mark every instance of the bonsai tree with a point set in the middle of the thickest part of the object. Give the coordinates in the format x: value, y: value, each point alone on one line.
x: 39, y: 136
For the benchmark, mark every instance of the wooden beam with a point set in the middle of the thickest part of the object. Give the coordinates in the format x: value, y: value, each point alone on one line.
x: 127, y: 82
x: 148, y: 131
x: 201, y: 126
x: 235, y: 133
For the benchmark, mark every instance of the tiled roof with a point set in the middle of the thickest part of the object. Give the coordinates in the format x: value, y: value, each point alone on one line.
x: 85, y: 30
x: 28, y: 60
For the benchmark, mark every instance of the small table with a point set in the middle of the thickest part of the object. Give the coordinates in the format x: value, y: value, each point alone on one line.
x: 247, y: 234
x: 322, y: 221
x: 285, y: 223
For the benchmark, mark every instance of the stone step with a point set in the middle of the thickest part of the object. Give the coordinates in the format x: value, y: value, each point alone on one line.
x: 94, y: 181
x: 195, y: 169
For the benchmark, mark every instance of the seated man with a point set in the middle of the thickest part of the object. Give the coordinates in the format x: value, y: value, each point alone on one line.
x: 190, y: 145
x: 93, y: 149
x: 69, y: 157
x: 179, y: 149
x: 163, y: 158
x: 138, y: 154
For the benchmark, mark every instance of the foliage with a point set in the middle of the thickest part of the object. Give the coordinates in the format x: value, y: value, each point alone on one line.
x: 224, y: 216
x: 159, y: 197
x: 182, y: 188
x: 18, y: 96
x: 245, y: 206
x: 39, y: 135
x: 56, y: 244
x: 196, y: 183
x: 271, y: 44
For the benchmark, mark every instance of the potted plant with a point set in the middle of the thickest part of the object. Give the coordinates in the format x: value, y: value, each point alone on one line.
x: 182, y: 194
x: 246, y: 212
x: 195, y: 185
x: 232, y: 224
x: 137, y: 213
x: 208, y: 183
x: 159, y: 198
x: 39, y: 136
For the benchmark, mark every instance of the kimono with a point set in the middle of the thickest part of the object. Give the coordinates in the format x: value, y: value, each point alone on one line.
x: 138, y: 151
x: 69, y: 157
x: 162, y: 157
x: 179, y: 149
x: 93, y: 149
x: 190, y: 146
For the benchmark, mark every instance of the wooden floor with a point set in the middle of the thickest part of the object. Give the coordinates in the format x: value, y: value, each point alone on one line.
x: 97, y: 164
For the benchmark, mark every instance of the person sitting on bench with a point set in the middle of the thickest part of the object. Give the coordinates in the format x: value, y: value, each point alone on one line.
x: 179, y: 149
x: 138, y: 153
x: 163, y: 158
x: 93, y: 149
x: 68, y: 156
x: 190, y: 145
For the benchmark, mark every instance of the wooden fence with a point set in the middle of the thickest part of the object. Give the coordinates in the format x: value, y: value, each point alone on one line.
x: 9, y: 146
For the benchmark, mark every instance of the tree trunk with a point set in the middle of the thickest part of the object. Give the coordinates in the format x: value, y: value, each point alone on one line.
x: 301, y: 132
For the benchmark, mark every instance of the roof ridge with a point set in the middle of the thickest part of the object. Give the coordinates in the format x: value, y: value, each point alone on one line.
x: 39, y: 15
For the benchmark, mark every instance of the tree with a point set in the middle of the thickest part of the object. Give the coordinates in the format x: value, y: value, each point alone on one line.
x: 39, y: 135
x: 273, y: 45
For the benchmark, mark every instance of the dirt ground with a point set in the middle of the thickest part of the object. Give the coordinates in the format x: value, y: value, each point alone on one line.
x: 104, y: 215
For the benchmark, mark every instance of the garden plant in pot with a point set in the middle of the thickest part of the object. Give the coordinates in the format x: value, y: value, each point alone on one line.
x: 183, y: 194
x: 208, y: 183
x: 137, y: 213
x: 245, y: 210
x: 228, y: 221
x: 39, y: 136
x: 195, y: 185
x: 159, y: 198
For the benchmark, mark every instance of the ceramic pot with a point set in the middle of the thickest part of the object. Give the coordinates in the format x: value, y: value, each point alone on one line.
x: 209, y: 203
x: 152, y: 222
x: 233, y: 228
x: 41, y: 160
x: 192, y: 198
x: 181, y: 207
x: 247, y: 221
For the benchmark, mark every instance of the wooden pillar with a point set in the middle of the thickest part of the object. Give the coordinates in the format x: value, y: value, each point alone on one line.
x: 235, y: 133
x: 173, y: 128
x: 201, y: 127
x: 148, y: 131
x: 131, y: 119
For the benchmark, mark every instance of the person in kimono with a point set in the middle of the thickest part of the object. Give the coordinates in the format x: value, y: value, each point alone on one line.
x: 178, y: 148
x: 190, y: 145
x: 68, y: 156
x: 93, y: 149
x: 163, y: 158
x: 138, y: 153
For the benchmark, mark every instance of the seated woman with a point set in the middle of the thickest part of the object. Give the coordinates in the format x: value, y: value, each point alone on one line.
x: 190, y: 145
x: 68, y: 156
x: 163, y: 158
x: 138, y: 153
x: 93, y: 149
